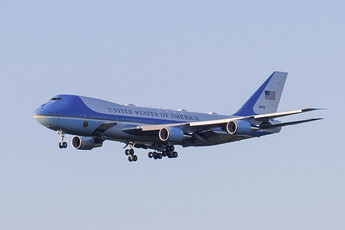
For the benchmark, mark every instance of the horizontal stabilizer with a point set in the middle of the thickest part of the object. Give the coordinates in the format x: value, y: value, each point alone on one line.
x: 268, y: 125
x: 282, y: 114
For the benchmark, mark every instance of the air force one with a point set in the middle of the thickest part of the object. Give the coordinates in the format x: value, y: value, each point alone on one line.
x: 93, y: 121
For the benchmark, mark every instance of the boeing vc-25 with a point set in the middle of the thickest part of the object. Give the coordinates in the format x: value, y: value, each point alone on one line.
x: 93, y: 121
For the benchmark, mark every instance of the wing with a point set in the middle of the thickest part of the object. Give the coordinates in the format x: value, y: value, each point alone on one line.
x: 242, y: 126
x: 102, y: 128
x: 221, y: 122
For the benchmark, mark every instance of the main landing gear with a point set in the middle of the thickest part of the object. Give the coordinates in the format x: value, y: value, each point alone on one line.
x: 167, y: 152
x: 62, y: 144
x: 130, y: 154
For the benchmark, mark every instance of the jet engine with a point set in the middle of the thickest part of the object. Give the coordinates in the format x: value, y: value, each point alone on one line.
x: 85, y: 143
x: 171, y: 134
x: 238, y: 127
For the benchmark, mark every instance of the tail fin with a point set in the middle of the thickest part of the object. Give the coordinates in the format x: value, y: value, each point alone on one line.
x: 266, y: 98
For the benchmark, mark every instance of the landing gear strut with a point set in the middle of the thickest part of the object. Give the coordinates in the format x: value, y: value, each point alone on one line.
x: 130, y: 153
x: 62, y: 144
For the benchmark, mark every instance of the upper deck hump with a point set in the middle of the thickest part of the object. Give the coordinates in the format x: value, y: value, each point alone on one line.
x: 111, y: 108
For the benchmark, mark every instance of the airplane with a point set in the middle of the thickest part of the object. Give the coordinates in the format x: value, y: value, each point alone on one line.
x: 94, y: 121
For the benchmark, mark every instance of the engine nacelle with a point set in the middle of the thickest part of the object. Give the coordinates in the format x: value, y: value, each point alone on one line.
x: 238, y: 127
x: 85, y: 143
x: 171, y: 134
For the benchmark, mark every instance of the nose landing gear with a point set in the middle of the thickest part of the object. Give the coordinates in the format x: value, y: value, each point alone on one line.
x: 62, y: 144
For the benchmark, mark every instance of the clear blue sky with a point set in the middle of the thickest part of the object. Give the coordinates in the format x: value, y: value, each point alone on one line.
x: 198, y: 55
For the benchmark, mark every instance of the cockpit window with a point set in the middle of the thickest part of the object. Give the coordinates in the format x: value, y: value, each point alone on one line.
x: 56, y: 99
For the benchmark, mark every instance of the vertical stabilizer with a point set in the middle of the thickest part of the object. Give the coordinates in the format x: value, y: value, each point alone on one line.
x: 266, y: 98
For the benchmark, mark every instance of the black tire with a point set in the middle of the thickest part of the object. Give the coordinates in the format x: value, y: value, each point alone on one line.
x: 170, y: 148
x: 127, y: 152
x: 175, y: 154
x: 130, y: 158
x: 64, y: 145
x: 159, y: 156
x: 150, y: 154
x: 131, y: 152
x: 60, y: 145
x: 164, y: 153
x: 169, y: 154
x: 135, y: 158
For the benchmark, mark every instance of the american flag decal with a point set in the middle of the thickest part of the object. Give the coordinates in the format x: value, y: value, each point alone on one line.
x: 270, y: 95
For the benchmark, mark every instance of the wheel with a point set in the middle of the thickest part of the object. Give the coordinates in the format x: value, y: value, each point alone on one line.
x: 131, y: 152
x: 175, y: 154
x: 169, y: 154
x: 164, y: 153
x: 130, y: 158
x: 159, y: 156
x: 170, y: 148
x: 62, y: 145
x: 155, y: 155
x: 150, y: 154
x: 127, y: 152
x: 135, y: 158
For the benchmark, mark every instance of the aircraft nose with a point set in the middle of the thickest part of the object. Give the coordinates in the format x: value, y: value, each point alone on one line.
x: 38, y: 119
x: 38, y: 114
x: 39, y: 110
